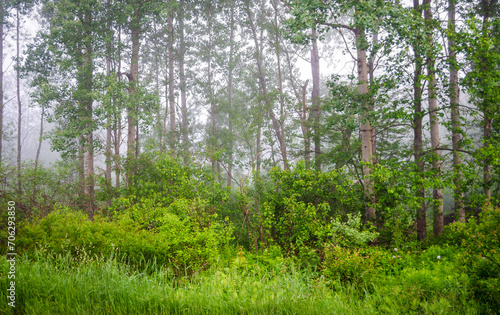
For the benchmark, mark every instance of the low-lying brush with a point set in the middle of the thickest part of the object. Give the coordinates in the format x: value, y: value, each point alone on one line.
x: 242, y: 284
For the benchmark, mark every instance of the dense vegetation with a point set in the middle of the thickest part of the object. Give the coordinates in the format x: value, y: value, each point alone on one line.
x: 199, y: 172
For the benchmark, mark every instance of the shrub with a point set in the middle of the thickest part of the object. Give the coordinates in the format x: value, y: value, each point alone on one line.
x: 480, y: 257
x: 299, y: 205
x: 357, y: 266
x: 350, y: 232
x: 178, y: 243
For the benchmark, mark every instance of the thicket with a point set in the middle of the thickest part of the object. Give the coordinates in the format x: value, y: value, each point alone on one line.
x: 178, y: 221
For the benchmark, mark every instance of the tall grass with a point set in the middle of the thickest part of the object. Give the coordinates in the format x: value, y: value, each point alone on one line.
x: 61, y: 285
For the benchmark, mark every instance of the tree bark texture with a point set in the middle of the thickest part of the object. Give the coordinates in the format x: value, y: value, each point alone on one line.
x: 315, y: 101
x: 365, y: 126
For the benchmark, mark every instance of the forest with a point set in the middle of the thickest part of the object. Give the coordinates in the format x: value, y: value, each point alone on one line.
x: 249, y: 157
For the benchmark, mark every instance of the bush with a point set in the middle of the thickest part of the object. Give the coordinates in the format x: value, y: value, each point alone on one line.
x: 163, y: 179
x: 480, y: 257
x: 178, y: 243
x: 299, y: 205
x: 357, y: 266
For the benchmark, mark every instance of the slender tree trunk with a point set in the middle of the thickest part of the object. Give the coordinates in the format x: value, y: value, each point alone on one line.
x: 434, y: 121
x: 417, y: 133
x: 210, y: 92
x: 132, y: 117
x: 417, y: 148
x: 303, y: 110
x: 171, y: 81
x: 2, y: 19
x: 487, y: 166
x: 87, y: 105
x: 371, y: 74
x: 316, y: 110
x: 109, y: 115
x: 157, y: 81
x: 365, y: 126
x: 487, y: 114
x: 277, y: 45
x: 19, y: 106
x: 230, y: 97
x: 40, y: 138
x: 304, y: 125
x: 109, y: 136
x: 81, y: 169
x: 456, y: 135
x: 182, y: 85
x: 262, y: 81
x: 38, y: 149
x: 118, y: 119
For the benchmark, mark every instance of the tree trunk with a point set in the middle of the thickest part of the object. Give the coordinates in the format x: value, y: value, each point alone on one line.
x: 87, y: 106
x: 2, y: 13
x: 456, y: 134
x: 182, y: 85
x: 230, y: 97
x: 434, y: 122
x: 487, y: 114
x: 303, y: 110
x: 277, y: 47
x: 171, y: 81
x: 304, y: 125
x: 118, y: 119
x: 365, y: 126
x: 417, y: 133
x: 19, y: 106
x: 371, y: 74
x: 316, y: 110
x: 132, y: 117
x: 263, y: 85
x: 38, y: 149
x: 213, y: 147
x: 40, y: 138
x: 109, y: 119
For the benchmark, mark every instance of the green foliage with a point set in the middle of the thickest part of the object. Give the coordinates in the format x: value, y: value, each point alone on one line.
x: 480, y: 256
x: 57, y: 284
x: 353, y: 265
x: 41, y: 188
x: 164, y: 179
x: 396, y: 188
x: 350, y: 233
x: 162, y: 184
x: 177, y: 243
x: 299, y: 205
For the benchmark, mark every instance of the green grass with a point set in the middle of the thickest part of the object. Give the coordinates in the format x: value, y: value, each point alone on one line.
x: 63, y: 285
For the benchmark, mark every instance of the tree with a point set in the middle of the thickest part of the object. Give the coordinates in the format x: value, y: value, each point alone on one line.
x: 323, y: 16
x: 418, y: 115
x: 73, y: 36
x: 454, y: 92
x: 434, y: 120
x: 3, y: 15
x: 277, y: 126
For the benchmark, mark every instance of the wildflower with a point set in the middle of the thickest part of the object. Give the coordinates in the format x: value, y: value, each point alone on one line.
x: 438, y: 257
x: 395, y: 249
x: 484, y: 257
x: 393, y: 256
